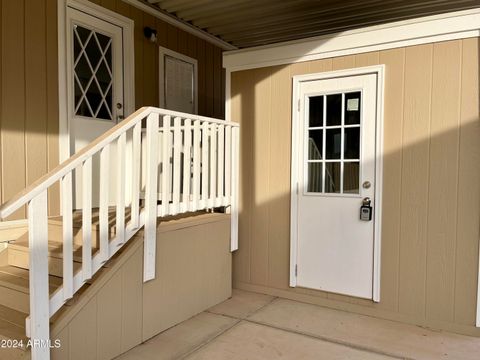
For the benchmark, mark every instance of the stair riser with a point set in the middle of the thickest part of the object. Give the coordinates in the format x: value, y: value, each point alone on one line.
x: 14, y: 299
x: 55, y: 233
x: 21, y: 259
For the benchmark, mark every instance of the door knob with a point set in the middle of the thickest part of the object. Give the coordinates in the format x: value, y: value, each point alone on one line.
x: 367, y: 184
x: 119, y: 106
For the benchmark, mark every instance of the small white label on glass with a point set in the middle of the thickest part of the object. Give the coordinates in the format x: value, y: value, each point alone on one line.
x: 352, y: 104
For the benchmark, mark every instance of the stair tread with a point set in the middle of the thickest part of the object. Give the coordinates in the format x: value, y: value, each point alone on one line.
x: 55, y: 248
x: 17, y: 279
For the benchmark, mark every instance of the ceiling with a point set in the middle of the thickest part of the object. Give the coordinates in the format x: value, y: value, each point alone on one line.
x: 247, y: 23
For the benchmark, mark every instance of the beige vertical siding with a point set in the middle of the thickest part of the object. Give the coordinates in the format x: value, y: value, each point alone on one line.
x: 29, y: 124
x: 431, y: 208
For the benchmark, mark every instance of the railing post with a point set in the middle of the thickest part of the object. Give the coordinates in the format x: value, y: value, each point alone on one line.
x: 235, y: 192
x: 150, y: 233
x: 39, y: 294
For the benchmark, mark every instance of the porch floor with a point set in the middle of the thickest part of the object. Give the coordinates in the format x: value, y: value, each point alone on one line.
x: 259, y: 327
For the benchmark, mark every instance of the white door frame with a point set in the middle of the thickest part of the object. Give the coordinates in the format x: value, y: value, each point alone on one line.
x: 128, y: 62
x: 378, y: 70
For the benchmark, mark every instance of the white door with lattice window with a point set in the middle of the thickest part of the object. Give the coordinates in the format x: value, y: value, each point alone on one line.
x: 95, y: 83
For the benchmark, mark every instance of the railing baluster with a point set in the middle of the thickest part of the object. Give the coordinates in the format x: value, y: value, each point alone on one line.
x: 151, y: 196
x: 66, y: 186
x: 166, y: 147
x: 213, y: 166
x: 196, y: 166
x: 220, y: 172
x: 39, y: 298
x: 177, y: 147
x: 234, y: 196
x: 104, y: 199
x: 87, y: 219
x: 204, y: 199
x: 136, y: 161
x: 186, y: 165
x: 120, y: 211
x: 228, y: 165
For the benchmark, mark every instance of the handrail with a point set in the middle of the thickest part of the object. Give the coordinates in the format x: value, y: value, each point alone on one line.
x: 44, y: 182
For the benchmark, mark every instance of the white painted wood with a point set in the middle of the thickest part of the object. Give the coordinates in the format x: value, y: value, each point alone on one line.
x: 205, y: 159
x: 166, y: 150
x: 235, y: 187
x: 120, y: 208
x: 136, y: 162
x: 104, y: 201
x: 220, y: 172
x: 185, y: 105
x: 213, y: 166
x: 335, y: 216
x: 67, y: 228
x: 228, y: 165
x: 177, y: 148
x: 87, y: 219
x: 423, y: 30
x: 187, y: 165
x: 196, y: 165
x: 150, y: 233
x: 38, y: 284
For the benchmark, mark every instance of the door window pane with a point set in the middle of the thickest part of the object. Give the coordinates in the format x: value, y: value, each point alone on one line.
x: 92, y: 73
x: 332, y: 177
x: 352, y: 108
x: 314, y: 183
x: 315, y: 111
x: 352, y: 143
x: 315, y: 143
x: 333, y: 143
x: 334, y: 109
x: 351, y: 175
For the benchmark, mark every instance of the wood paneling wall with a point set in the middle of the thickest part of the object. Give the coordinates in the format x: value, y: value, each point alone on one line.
x: 431, y: 206
x: 29, y: 124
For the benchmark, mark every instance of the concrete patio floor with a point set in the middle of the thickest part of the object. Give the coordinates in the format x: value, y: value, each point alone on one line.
x: 260, y: 327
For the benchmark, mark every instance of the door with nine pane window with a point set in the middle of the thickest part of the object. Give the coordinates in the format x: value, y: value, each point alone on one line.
x: 336, y: 158
x: 95, y: 85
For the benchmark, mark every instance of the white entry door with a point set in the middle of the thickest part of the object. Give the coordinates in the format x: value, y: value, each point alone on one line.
x: 95, y: 84
x: 336, y: 176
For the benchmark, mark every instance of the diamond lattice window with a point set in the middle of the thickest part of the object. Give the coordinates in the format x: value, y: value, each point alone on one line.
x: 93, y: 77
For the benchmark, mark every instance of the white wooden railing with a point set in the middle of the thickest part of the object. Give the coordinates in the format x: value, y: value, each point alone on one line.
x: 177, y: 163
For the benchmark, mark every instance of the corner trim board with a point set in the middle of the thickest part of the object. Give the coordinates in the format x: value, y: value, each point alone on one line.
x: 424, y: 30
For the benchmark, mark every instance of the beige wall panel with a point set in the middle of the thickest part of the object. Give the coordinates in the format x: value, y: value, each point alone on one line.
x: 109, y: 319
x: 394, y: 61
x: 242, y: 112
x: 431, y: 128
x: 468, y: 226
x: 261, y: 160
x: 83, y: 340
x: 442, y: 194
x: 279, y: 178
x: 415, y: 171
x: 132, y: 292
x: 193, y: 272
x: 52, y: 103
x: 150, y: 66
x: 63, y: 352
x: 1, y: 96
x: 35, y: 90
x: 137, y: 17
x: 13, y: 100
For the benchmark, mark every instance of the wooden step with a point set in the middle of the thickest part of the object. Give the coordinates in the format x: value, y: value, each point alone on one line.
x: 12, y: 328
x: 14, y: 287
x: 19, y: 255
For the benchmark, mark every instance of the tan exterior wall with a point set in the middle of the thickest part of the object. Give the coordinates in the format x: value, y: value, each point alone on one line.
x: 431, y: 207
x: 118, y: 311
x: 29, y: 124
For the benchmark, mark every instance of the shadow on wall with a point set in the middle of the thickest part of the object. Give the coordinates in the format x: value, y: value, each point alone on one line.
x: 431, y: 191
